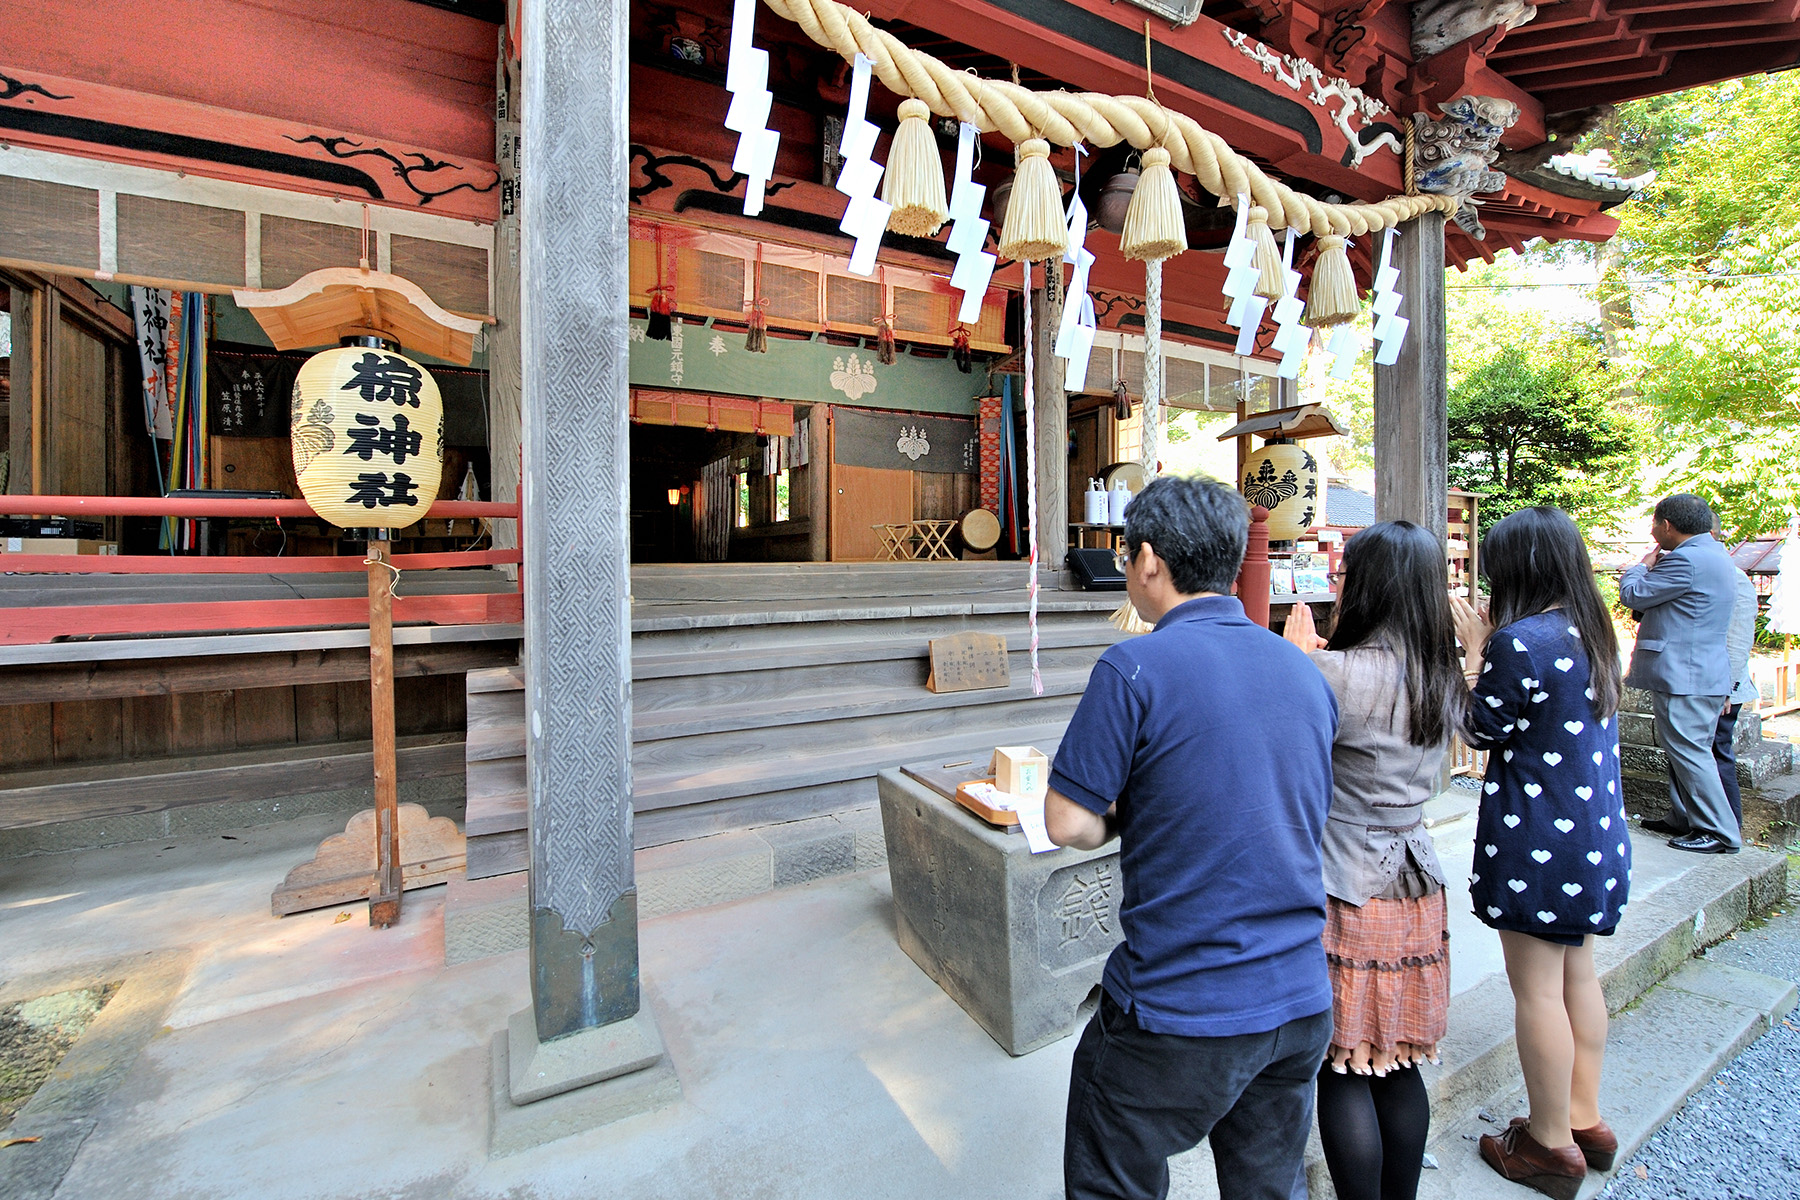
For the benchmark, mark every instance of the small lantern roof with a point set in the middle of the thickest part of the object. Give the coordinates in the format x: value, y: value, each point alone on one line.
x: 316, y: 309
x: 1302, y: 421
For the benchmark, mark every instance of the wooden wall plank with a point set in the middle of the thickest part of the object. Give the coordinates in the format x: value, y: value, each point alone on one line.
x: 88, y: 730
x: 25, y: 737
x: 353, y: 708
x: 328, y: 770
x: 147, y: 726
x: 150, y: 677
x: 264, y: 717
x: 202, y: 722
x: 315, y: 713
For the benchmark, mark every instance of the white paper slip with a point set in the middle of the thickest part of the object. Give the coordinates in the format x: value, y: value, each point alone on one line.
x: 992, y: 796
x: 1031, y: 820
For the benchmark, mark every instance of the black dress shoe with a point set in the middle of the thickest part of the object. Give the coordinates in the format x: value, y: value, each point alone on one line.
x: 1666, y: 829
x: 1703, y: 843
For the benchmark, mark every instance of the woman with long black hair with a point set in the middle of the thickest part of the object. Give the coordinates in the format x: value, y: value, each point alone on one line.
x: 1393, y: 664
x: 1552, y: 855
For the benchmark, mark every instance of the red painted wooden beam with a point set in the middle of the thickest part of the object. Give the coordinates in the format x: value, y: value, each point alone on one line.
x: 387, y: 69
x: 27, y: 626
x: 195, y: 564
x: 166, y: 506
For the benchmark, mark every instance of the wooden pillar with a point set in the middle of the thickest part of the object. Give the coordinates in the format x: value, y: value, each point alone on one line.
x: 27, y: 393
x: 1052, y: 408
x: 502, y: 339
x: 1411, y: 397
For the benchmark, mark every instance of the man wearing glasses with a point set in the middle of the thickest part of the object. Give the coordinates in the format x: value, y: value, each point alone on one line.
x: 1205, y: 747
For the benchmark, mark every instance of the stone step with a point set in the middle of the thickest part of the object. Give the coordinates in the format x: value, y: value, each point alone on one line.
x: 742, y: 707
x: 495, y: 679
x: 1659, y: 938
x: 1645, y: 771
x: 799, y: 581
x: 1636, y: 729
x: 651, y: 620
x: 800, y: 647
x: 1658, y: 1053
x: 740, y: 762
x: 496, y: 725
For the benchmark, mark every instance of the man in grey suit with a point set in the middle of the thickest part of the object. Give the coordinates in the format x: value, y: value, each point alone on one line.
x: 1685, y: 589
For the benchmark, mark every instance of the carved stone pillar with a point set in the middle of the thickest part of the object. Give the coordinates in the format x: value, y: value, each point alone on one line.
x: 583, y: 1052
x: 1411, y: 397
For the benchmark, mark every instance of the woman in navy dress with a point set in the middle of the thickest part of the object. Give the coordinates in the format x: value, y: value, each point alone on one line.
x: 1552, y: 855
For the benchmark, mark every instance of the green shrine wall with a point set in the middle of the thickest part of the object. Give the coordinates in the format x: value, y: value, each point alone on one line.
x: 807, y: 372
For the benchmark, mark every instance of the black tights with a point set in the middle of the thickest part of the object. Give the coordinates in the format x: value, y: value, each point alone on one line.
x: 1374, y: 1132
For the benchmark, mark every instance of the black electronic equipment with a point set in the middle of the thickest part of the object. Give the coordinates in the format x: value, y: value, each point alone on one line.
x: 1096, y: 570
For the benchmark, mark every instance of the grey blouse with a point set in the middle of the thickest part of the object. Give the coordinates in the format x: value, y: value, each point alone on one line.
x: 1380, y: 782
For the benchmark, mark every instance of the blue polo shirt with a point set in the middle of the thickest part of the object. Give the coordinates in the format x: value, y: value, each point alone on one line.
x: 1214, y: 737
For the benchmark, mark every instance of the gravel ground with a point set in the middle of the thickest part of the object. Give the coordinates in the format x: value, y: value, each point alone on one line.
x: 1737, y: 1138
x: 34, y: 1036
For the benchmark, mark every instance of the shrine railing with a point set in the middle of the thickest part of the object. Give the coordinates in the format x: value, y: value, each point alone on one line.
x: 47, y: 623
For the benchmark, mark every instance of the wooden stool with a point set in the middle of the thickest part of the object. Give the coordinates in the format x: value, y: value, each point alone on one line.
x: 896, y: 542
x: 933, y: 540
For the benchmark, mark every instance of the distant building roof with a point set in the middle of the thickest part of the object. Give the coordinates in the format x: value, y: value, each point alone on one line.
x: 1347, y: 508
x: 1758, y: 556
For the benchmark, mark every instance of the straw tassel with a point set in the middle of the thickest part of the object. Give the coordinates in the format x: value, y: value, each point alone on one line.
x: 1268, y: 254
x: 662, y: 305
x: 914, y: 181
x: 1035, y: 228
x: 1331, y: 299
x: 756, y: 339
x: 1154, y: 228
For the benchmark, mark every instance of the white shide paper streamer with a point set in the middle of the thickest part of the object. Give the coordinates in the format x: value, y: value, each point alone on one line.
x: 1291, y: 337
x: 968, y: 232
x: 1390, y: 326
x: 865, y: 217
x: 747, y: 79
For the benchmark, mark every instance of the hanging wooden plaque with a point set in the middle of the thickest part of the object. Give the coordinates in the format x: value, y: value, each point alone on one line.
x: 968, y: 662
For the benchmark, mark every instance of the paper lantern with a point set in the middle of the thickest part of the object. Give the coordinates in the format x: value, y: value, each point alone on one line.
x: 368, y: 435
x: 1283, y: 478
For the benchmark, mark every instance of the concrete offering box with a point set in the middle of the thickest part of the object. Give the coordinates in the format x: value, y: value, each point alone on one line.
x: 1019, y: 940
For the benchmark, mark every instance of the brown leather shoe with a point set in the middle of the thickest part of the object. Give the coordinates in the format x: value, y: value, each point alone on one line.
x: 1518, y: 1156
x: 1597, y: 1143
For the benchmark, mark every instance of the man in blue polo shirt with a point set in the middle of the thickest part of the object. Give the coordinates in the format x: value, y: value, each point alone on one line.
x: 1205, y: 746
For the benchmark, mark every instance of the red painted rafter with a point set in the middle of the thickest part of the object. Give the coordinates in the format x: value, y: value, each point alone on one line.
x: 1780, y: 12
x: 1752, y: 35
x: 1530, y: 40
x: 1573, y: 57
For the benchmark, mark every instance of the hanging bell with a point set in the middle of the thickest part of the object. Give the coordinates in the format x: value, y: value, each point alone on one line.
x: 959, y: 349
x: 1115, y: 200
x: 884, y: 342
x: 1121, y: 401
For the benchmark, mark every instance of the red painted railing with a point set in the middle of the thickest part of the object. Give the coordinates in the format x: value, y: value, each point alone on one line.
x: 50, y: 623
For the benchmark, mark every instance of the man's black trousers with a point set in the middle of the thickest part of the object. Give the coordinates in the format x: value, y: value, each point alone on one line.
x: 1135, y: 1098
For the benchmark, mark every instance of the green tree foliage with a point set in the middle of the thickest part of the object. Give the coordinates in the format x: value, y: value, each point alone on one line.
x: 1533, y: 425
x: 1712, y: 251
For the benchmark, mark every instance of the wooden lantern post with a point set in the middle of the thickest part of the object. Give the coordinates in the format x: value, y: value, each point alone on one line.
x: 384, y: 900
x: 367, y: 430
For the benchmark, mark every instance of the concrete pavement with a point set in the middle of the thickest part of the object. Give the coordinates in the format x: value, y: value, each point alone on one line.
x: 308, y: 1057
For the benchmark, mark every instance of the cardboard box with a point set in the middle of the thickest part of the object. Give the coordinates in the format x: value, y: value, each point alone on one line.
x: 31, y: 545
x: 1021, y: 770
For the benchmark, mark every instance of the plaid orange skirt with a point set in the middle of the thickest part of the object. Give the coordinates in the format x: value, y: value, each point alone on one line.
x: 1390, y: 971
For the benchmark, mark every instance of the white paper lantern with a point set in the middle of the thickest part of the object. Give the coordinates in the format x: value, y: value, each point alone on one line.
x: 368, y: 435
x: 1284, y: 478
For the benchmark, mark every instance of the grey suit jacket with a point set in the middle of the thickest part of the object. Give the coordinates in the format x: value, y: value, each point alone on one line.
x: 1686, y: 600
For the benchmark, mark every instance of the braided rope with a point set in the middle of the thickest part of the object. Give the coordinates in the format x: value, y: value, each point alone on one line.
x: 1066, y: 118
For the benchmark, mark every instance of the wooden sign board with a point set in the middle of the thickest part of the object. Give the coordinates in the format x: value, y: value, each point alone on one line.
x: 968, y: 662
